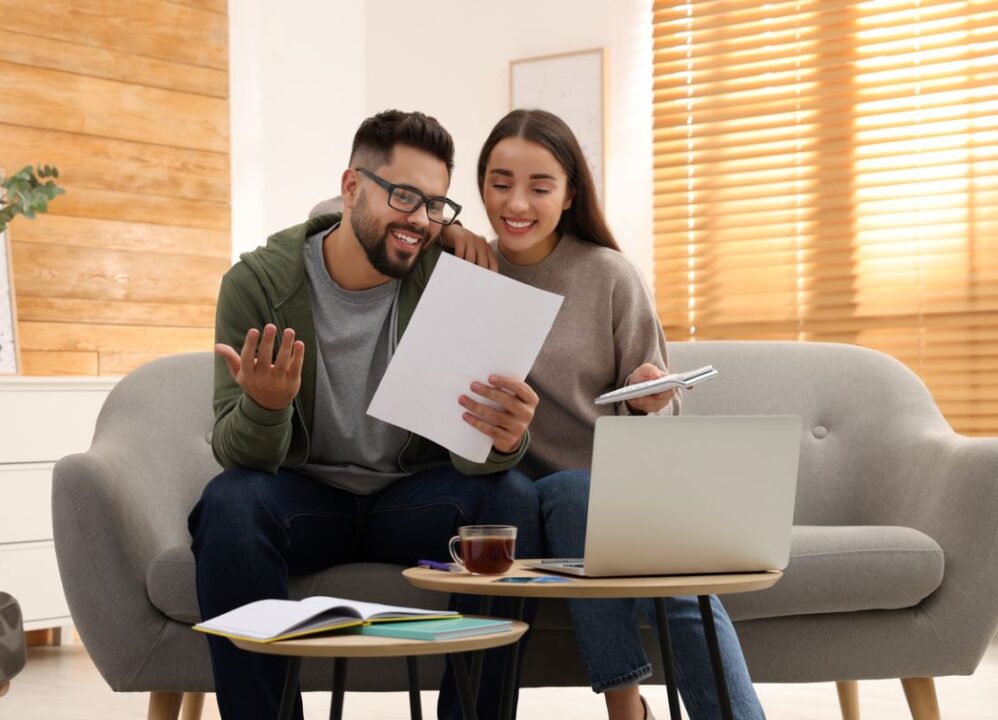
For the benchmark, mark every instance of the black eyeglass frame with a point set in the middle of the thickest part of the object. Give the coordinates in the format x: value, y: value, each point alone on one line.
x: 423, y: 199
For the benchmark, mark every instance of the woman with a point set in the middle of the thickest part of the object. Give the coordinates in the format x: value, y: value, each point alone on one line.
x: 541, y: 201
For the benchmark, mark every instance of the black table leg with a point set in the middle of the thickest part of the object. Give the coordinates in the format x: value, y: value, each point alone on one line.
x: 290, y: 692
x: 464, y: 693
x: 415, y: 709
x: 707, y: 614
x: 509, y: 668
x: 339, y: 688
x: 668, y: 667
x: 484, y: 608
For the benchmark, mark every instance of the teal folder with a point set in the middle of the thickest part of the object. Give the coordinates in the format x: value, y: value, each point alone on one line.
x: 435, y: 629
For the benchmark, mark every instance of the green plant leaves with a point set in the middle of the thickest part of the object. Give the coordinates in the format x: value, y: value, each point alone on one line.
x: 23, y: 193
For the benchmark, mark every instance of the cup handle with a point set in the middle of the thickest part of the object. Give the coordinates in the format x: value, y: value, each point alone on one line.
x: 450, y: 547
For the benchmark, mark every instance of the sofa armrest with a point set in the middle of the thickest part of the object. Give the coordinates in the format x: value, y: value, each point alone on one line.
x: 952, y: 496
x: 102, y: 563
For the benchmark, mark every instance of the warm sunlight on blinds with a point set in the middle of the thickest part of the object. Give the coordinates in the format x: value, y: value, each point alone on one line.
x: 828, y: 170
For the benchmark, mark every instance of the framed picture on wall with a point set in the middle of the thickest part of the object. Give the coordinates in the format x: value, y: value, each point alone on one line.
x: 572, y: 86
x: 8, y: 327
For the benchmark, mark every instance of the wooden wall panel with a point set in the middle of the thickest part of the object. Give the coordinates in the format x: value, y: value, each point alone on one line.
x: 56, y: 100
x: 67, y: 230
x: 141, y: 208
x: 102, y: 63
x: 221, y: 6
x: 97, y: 274
x: 115, y: 338
x: 106, y: 164
x: 129, y: 98
x: 61, y: 362
x: 155, y: 28
x: 130, y: 312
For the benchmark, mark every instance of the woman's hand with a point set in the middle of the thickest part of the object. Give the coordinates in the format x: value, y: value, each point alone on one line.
x: 271, y: 385
x: 469, y: 246
x: 507, y: 424
x: 649, y: 403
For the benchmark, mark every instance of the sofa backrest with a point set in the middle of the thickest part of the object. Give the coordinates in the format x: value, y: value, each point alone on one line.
x: 858, y: 406
x: 859, y: 409
x: 155, y: 429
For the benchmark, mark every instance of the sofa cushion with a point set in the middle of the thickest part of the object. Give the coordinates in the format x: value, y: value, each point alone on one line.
x: 171, y: 585
x: 847, y: 568
x: 832, y: 569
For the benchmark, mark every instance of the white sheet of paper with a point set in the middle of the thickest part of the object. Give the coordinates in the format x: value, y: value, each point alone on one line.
x: 470, y: 323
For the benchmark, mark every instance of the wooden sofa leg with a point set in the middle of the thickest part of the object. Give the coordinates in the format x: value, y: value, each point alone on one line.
x: 164, y: 705
x: 4, y: 687
x: 921, y: 696
x: 848, y: 698
x: 193, y: 704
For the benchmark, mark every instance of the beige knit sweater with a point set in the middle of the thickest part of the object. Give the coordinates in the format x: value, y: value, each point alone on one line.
x: 605, y: 329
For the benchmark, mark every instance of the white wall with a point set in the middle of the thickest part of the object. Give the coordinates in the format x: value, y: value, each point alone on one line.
x: 297, y: 95
x: 449, y: 59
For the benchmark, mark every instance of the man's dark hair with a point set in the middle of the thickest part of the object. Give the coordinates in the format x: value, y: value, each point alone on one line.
x: 378, y: 135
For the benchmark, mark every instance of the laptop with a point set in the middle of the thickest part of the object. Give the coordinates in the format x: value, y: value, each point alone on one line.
x: 688, y: 495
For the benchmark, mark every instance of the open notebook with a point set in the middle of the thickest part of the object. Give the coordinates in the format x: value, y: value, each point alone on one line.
x: 270, y: 620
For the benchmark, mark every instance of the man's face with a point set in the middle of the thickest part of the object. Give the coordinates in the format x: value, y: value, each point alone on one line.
x: 393, y: 240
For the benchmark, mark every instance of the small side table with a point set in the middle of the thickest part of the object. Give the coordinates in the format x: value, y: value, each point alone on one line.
x: 344, y: 646
x: 658, y: 587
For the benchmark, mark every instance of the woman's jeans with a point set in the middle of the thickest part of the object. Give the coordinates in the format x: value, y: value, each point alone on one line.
x: 607, y: 630
x: 252, y: 529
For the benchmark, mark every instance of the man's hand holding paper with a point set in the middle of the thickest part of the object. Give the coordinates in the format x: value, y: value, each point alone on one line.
x: 507, y: 419
x: 470, y: 326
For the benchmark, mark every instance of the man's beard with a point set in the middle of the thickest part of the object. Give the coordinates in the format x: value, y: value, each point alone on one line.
x: 375, y: 239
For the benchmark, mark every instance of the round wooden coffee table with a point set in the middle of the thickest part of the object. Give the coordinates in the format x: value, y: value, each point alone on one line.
x: 345, y: 645
x: 658, y: 587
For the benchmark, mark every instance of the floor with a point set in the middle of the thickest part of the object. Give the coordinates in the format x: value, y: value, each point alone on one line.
x: 62, y: 682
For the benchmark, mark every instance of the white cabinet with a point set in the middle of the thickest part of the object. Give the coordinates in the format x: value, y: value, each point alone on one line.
x: 41, y: 419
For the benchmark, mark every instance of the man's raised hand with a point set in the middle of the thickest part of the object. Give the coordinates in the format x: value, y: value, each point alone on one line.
x: 270, y: 384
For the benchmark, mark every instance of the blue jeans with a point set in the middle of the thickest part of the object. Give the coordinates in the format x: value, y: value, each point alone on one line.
x: 251, y: 530
x: 607, y: 630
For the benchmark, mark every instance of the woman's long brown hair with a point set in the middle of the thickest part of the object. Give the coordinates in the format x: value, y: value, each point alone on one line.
x: 584, y: 219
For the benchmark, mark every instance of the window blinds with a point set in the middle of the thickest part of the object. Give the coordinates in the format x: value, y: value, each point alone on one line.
x: 828, y: 171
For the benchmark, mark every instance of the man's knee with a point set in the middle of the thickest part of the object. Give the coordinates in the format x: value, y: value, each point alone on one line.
x: 230, y: 502
x: 510, y: 488
x: 517, y: 488
x: 517, y: 503
x: 566, y: 490
x: 507, y: 498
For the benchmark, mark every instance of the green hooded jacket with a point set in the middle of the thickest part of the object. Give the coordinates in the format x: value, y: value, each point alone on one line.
x: 269, y: 286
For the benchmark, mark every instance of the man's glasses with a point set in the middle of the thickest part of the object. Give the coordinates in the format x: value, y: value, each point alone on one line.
x: 408, y: 200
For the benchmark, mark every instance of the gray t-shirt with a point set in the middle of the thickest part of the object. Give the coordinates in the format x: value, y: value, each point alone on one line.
x: 355, y: 335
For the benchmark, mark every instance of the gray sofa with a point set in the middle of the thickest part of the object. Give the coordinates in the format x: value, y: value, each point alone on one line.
x: 893, y: 573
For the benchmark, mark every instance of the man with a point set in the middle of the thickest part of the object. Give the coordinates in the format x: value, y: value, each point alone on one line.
x: 311, y: 481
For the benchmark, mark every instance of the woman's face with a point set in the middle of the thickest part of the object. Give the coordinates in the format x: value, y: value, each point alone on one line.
x: 525, y: 192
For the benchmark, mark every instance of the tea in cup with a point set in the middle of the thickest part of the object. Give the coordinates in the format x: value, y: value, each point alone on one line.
x: 485, y: 549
